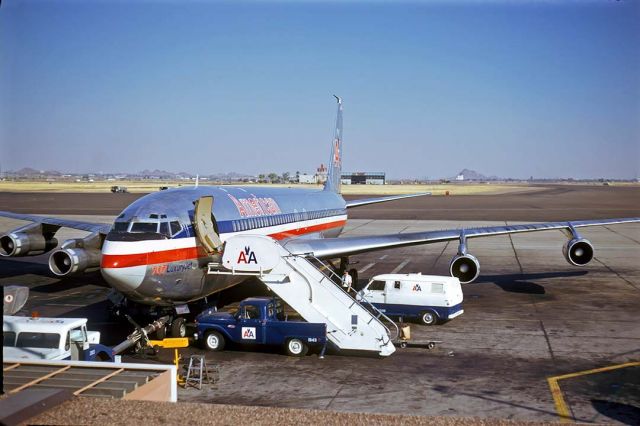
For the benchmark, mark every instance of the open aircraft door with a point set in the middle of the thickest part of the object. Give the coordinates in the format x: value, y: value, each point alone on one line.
x: 204, y: 224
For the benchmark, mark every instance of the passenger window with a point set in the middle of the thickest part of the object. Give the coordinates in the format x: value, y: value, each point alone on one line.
x: 437, y: 288
x: 251, y: 312
x: 396, y: 285
x: 377, y: 286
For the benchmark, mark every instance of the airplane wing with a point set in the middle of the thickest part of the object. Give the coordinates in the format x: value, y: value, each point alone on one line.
x: 365, y: 201
x: 345, y: 246
x: 102, y: 228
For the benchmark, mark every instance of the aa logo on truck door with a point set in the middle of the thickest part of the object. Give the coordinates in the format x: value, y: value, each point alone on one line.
x: 247, y: 256
x: 416, y: 287
x: 249, y: 333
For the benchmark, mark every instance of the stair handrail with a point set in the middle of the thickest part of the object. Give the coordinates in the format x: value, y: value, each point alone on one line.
x: 355, y: 299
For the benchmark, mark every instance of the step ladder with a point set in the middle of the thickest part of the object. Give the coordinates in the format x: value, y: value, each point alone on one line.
x: 351, y: 324
x: 198, y: 372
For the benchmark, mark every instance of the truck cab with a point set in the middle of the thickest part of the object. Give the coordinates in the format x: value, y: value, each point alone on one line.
x: 430, y: 298
x: 259, y: 321
x: 52, y: 339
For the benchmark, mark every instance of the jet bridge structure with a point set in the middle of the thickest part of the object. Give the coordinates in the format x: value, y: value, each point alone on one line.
x: 351, y: 325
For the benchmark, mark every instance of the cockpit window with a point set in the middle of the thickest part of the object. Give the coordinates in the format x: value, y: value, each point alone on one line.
x: 144, y: 227
x: 121, y: 226
x: 175, y: 227
x: 164, y: 229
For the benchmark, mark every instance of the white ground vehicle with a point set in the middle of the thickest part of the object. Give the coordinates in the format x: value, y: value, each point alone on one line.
x: 52, y: 339
x: 430, y: 298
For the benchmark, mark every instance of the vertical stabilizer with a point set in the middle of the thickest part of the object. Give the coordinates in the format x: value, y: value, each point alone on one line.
x: 334, y: 173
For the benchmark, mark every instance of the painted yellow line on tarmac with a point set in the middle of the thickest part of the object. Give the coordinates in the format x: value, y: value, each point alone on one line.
x: 558, y: 398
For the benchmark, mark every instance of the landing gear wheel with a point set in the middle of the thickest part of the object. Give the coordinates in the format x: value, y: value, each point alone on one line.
x: 179, y: 327
x: 296, y: 347
x: 431, y: 345
x: 214, y: 341
x: 428, y: 318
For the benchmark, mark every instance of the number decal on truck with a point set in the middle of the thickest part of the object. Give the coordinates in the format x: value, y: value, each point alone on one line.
x: 312, y: 340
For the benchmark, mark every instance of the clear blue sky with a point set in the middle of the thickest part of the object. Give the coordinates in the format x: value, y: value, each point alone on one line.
x: 542, y: 88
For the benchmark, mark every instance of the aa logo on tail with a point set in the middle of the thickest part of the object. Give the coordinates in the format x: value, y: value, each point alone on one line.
x: 247, y: 256
x: 336, y: 152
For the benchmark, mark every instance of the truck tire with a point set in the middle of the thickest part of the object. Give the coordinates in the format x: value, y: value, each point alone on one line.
x: 214, y: 341
x: 179, y: 327
x: 428, y: 318
x: 296, y: 347
x: 161, y: 333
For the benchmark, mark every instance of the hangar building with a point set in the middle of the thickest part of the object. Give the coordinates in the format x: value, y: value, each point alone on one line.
x: 363, y: 178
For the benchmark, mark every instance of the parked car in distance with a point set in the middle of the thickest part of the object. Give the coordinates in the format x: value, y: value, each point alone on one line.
x: 119, y: 189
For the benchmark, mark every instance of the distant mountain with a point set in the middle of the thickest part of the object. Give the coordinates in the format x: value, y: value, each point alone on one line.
x: 30, y: 172
x: 473, y: 175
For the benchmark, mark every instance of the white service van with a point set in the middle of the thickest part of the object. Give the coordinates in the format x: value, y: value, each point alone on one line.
x: 51, y: 339
x: 430, y: 298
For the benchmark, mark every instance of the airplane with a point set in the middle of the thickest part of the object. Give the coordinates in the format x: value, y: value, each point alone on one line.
x: 156, y: 252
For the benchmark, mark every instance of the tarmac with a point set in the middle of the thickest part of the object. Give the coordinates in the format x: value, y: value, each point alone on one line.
x: 530, y: 319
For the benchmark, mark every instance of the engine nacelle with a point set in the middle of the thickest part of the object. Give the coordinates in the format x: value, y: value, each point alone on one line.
x: 465, y: 267
x: 72, y: 260
x: 578, y: 251
x: 27, y: 241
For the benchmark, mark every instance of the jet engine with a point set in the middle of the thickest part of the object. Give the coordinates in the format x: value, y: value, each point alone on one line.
x: 77, y: 255
x: 578, y: 251
x: 465, y: 267
x: 29, y: 240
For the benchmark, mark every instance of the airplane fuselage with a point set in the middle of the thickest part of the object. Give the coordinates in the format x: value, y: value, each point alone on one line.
x: 153, y: 256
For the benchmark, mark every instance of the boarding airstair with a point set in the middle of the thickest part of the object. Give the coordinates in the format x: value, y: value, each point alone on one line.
x: 310, y: 291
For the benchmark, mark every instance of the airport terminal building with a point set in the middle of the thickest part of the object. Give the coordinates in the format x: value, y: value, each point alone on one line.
x: 363, y: 178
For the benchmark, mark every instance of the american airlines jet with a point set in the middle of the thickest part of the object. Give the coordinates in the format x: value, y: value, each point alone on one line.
x: 157, y: 250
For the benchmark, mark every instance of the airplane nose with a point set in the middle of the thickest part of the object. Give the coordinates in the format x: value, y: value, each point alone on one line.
x: 124, y: 280
x: 123, y: 271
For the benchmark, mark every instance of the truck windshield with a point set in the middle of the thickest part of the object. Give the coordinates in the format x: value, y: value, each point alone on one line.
x: 38, y: 340
x: 8, y: 338
x: 377, y: 285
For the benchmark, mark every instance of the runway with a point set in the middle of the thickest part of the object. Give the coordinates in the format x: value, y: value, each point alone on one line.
x: 548, y: 203
x: 528, y: 317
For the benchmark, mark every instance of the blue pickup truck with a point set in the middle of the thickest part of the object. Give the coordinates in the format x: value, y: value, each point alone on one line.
x: 259, y: 321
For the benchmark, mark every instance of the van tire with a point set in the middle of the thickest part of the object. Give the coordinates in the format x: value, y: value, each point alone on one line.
x: 428, y: 318
x: 213, y: 341
x: 296, y: 347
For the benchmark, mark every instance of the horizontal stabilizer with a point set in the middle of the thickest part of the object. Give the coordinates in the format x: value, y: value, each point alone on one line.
x: 364, y: 202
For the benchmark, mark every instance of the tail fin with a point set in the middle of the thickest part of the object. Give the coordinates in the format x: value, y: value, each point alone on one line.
x: 334, y: 174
